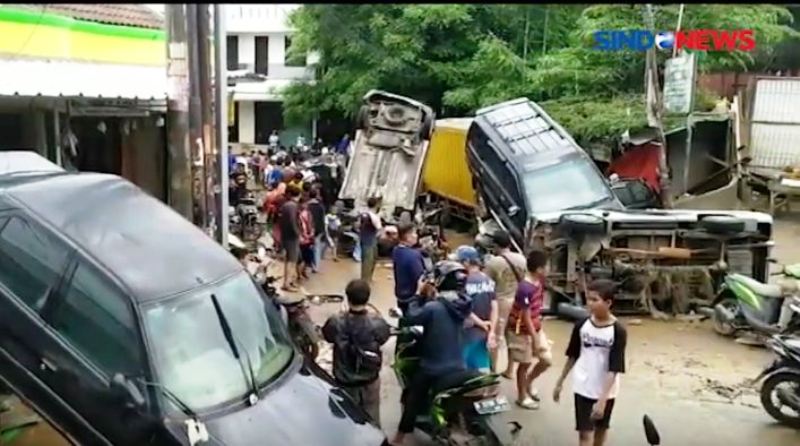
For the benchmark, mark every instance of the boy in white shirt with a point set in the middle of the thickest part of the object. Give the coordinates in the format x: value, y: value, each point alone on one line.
x: 597, y: 352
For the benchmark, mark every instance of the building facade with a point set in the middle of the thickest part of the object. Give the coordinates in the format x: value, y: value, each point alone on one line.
x: 85, y: 86
x: 258, y: 39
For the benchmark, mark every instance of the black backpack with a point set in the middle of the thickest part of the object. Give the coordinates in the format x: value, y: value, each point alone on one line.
x: 366, y: 361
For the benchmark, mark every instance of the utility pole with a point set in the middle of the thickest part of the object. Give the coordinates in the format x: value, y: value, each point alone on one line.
x: 654, y: 106
x: 221, y: 110
x: 179, y: 158
x: 206, y: 112
x: 195, y: 118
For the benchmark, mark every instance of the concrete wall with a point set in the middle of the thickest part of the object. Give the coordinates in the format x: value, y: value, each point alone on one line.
x: 247, y: 122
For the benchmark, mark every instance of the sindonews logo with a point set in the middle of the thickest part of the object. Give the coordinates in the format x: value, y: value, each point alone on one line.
x: 697, y: 39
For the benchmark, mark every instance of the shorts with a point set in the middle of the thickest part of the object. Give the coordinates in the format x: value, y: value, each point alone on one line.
x: 583, y: 414
x: 523, y: 348
x: 476, y: 355
x: 292, y: 248
x: 307, y: 254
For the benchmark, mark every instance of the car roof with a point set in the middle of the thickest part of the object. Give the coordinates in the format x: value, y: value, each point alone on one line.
x: 526, y: 131
x: 150, y: 248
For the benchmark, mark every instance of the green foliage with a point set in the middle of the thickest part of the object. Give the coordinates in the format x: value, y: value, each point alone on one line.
x: 460, y: 57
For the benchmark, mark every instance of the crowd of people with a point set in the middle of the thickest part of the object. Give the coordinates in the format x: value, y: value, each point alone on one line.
x: 476, y: 306
x: 471, y: 307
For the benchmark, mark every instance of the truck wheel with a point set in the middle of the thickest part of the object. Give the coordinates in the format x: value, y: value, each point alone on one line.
x: 583, y: 224
x: 394, y: 115
x: 722, y: 224
x: 362, y: 118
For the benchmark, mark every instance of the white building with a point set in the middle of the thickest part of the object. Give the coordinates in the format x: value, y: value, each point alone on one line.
x: 258, y: 71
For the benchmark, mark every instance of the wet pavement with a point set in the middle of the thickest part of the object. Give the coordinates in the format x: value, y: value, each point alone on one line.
x: 692, y: 382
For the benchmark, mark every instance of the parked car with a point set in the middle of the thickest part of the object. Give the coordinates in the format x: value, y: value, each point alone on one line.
x: 122, y: 323
x: 389, y: 153
x: 536, y: 182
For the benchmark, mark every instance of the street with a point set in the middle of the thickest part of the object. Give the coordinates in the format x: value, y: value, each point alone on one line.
x: 691, y: 381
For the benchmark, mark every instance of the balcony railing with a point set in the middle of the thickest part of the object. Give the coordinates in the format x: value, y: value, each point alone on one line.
x: 258, y: 18
x: 277, y: 71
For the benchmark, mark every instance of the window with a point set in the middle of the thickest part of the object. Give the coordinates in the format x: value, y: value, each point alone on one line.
x: 262, y: 54
x: 297, y: 61
x: 96, y: 318
x: 31, y: 261
x: 232, y: 52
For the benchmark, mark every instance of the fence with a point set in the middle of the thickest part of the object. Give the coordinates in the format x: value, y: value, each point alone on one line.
x: 728, y: 84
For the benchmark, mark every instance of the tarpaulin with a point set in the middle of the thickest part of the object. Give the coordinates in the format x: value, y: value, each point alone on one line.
x: 639, y: 162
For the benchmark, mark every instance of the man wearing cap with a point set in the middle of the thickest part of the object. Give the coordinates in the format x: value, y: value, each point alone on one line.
x: 479, y: 334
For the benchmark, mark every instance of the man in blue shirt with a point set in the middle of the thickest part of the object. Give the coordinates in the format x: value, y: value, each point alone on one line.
x: 479, y: 327
x: 408, y: 266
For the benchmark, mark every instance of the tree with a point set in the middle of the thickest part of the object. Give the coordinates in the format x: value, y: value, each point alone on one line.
x: 460, y: 57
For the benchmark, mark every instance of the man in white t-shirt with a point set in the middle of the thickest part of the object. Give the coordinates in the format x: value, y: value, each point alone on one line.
x: 597, y: 352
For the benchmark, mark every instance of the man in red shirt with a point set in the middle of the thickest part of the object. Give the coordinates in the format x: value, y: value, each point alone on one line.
x: 524, y: 333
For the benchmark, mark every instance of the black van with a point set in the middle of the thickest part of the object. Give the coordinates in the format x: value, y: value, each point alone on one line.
x: 526, y: 165
x: 122, y: 323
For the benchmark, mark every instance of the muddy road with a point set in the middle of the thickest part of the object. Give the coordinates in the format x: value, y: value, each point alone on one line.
x: 692, y: 382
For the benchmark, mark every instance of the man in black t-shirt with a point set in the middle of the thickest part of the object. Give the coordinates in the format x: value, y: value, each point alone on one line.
x: 290, y: 235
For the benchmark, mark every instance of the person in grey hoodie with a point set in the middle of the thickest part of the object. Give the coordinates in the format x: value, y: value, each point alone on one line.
x: 441, y: 312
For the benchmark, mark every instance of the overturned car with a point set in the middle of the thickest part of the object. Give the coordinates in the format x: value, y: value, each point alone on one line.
x: 537, y: 183
x: 389, y: 153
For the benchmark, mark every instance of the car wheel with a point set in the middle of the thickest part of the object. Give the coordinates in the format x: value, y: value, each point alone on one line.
x: 722, y: 224
x: 362, y: 118
x: 583, y: 224
x: 394, y: 115
x: 427, y: 128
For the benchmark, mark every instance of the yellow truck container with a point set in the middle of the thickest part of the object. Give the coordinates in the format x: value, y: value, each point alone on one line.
x: 446, y: 173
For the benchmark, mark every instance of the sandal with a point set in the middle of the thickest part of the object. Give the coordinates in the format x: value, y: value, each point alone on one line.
x: 528, y: 404
x: 507, y: 375
x: 534, y: 394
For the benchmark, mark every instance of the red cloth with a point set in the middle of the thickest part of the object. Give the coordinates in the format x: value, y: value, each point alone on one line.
x: 639, y: 162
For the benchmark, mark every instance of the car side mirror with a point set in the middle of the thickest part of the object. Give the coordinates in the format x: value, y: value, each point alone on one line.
x: 650, y: 431
x: 125, y: 389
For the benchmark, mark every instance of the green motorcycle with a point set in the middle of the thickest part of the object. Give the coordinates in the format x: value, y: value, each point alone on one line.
x: 744, y: 304
x: 465, y: 409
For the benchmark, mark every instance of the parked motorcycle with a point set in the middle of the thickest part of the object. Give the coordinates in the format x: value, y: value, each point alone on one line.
x: 781, y: 381
x: 247, y: 212
x: 745, y: 304
x: 302, y: 329
x: 465, y: 408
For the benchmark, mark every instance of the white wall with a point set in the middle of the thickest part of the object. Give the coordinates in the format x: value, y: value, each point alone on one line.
x: 247, y: 49
x: 277, y: 49
x: 247, y: 122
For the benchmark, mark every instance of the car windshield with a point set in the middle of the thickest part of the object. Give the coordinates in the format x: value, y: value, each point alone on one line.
x: 192, y: 358
x: 574, y: 184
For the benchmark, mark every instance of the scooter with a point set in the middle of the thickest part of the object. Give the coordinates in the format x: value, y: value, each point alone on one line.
x: 302, y: 329
x: 781, y: 381
x: 745, y: 304
x: 465, y: 408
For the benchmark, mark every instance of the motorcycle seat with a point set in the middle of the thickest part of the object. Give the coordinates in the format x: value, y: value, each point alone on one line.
x: 762, y: 289
x: 454, y: 380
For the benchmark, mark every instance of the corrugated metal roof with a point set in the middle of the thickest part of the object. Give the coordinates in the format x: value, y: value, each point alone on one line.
x: 775, y: 125
x: 777, y: 100
x: 127, y: 14
x: 72, y: 79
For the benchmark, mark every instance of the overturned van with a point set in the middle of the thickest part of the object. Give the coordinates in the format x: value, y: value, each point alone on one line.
x: 536, y: 182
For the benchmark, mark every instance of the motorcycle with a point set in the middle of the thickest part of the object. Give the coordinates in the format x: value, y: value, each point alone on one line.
x: 302, y: 329
x: 745, y: 304
x: 781, y: 381
x: 465, y: 408
x: 247, y: 213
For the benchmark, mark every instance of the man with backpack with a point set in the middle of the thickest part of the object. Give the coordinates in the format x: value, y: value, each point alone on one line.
x: 357, y: 336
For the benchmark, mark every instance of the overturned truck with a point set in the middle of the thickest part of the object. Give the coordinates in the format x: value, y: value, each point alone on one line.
x: 536, y: 182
